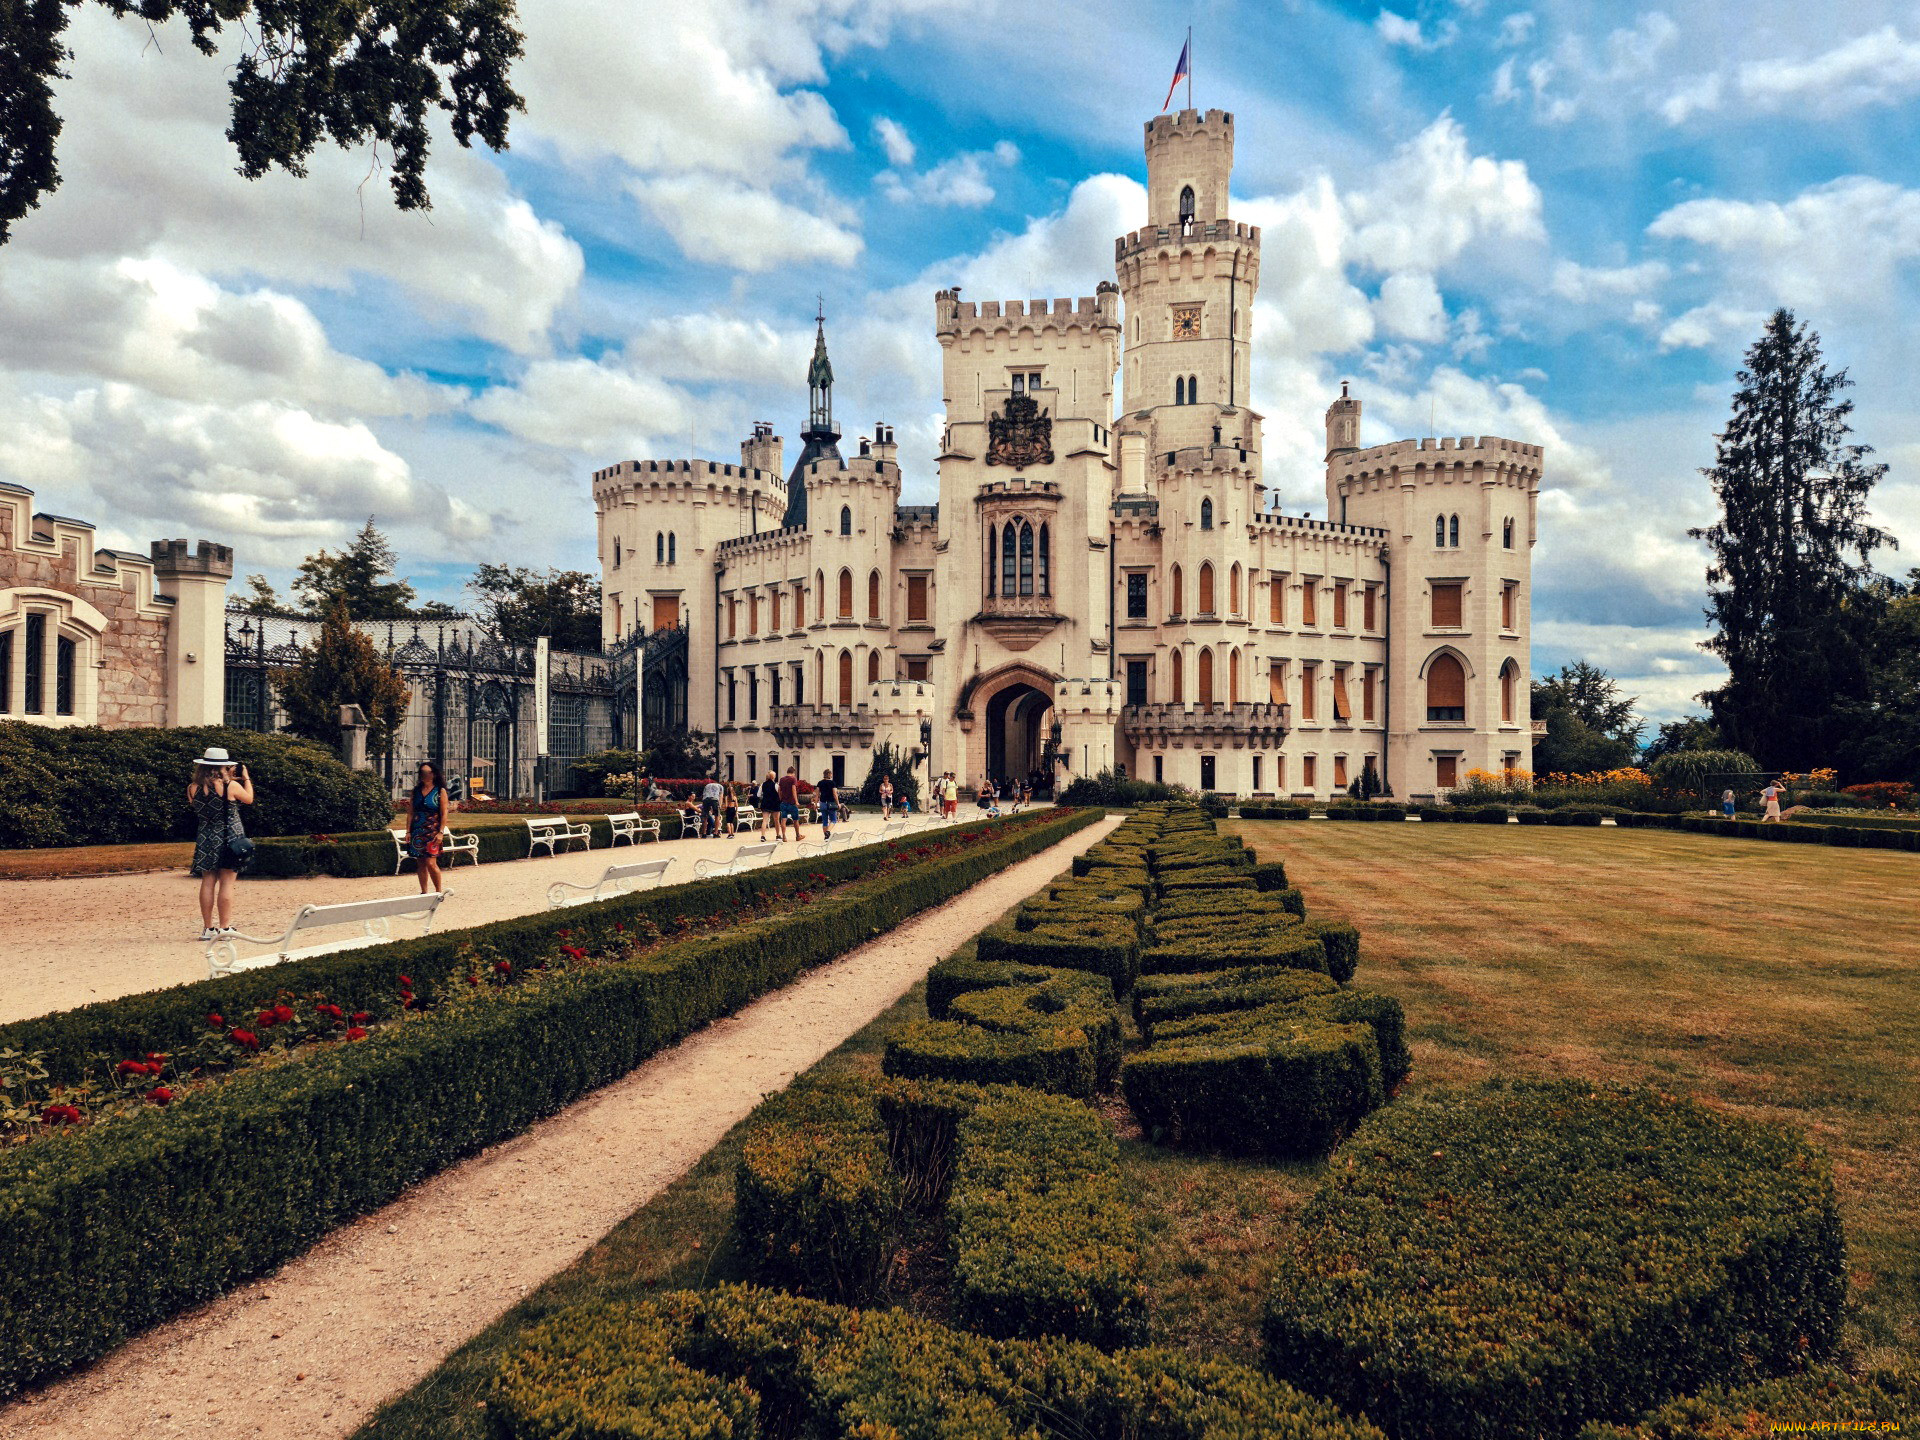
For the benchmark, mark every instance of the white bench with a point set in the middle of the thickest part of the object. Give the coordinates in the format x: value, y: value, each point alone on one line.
x: 374, y: 917
x: 466, y: 843
x: 745, y: 858
x: 893, y: 829
x: 630, y: 827
x: 554, y: 830
x: 749, y: 818
x: 618, y: 880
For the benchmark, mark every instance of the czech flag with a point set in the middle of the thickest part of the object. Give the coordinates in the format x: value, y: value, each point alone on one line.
x: 1179, y: 74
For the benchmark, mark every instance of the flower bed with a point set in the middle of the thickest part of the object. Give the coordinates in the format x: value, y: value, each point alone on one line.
x: 1517, y: 1260
x: 108, y: 1228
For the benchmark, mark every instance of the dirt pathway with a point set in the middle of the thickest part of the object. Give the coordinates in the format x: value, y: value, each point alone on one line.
x: 72, y: 941
x: 309, y: 1352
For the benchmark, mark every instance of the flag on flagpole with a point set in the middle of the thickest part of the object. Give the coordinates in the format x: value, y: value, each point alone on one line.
x: 1179, y: 74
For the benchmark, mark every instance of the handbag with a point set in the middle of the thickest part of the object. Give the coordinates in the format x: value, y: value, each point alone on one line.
x: 236, y: 852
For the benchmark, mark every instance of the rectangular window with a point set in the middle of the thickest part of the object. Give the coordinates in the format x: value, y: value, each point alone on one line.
x: 1446, y: 606
x: 1159, y: 769
x: 1309, y: 601
x: 916, y: 668
x: 753, y: 615
x: 1366, y: 694
x: 63, y: 676
x: 916, y: 598
x: 1277, y: 683
x: 730, y: 775
x: 1339, y: 604
x: 1309, y: 682
x: 1369, y: 617
x: 1208, y: 778
x: 733, y: 617
x: 6, y: 672
x: 1507, y: 593
x: 1342, y: 709
x: 773, y: 687
x: 733, y: 698
x: 1308, y: 765
x: 1446, y: 771
x: 1256, y: 773
x: 1136, y: 596
x: 839, y: 770
x: 1277, y: 600
x: 36, y: 658
x: 1339, y: 772
x: 774, y: 626
x: 1280, y: 774
x: 753, y: 695
x: 1136, y: 682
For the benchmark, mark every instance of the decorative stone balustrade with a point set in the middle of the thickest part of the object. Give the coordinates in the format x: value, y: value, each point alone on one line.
x: 1246, y: 726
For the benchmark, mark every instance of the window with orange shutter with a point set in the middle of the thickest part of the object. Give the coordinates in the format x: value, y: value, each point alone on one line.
x: 846, y: 679
x: 1369, y: 617
x: 1206, y: 677
x: 1309, y: 682
x: 1206, y: 589
x: 1308, y: 764
x: 1342, y: 709
x: 1366, y: 694
x: 916, y: 598
x: 1446, y: 606
x: 1506, y: 605
x: 1309, y: 601
x: 1277, y: 683
x: 873, y: 595
x: 1277, y: 600
x: 1446, y: 689
x: 1339, y: 772
x: 846, y: 594
x: 1340, y: 605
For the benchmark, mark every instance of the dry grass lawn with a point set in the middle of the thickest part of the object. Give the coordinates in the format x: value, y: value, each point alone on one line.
x: 1779, y: 981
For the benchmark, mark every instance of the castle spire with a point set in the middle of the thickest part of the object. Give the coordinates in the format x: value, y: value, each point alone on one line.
x: 821, y: 439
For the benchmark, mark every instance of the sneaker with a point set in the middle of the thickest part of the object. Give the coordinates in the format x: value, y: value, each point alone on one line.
x: 224, y: 931
x: 209, y: 933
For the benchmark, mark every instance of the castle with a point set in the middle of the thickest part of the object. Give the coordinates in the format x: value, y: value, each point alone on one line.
x: 1097, y: 587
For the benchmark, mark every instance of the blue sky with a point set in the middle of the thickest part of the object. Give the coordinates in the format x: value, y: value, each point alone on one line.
x: 1558, y: 222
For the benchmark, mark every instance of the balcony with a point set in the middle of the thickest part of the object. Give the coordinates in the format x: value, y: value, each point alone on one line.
x: 1246, y: 726
x: 830, y: 727
x: 1018, y: 622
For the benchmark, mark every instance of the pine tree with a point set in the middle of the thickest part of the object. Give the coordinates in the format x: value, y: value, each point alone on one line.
x: 343, y: 668
x: 1789, y: 583
x: 356, y: 578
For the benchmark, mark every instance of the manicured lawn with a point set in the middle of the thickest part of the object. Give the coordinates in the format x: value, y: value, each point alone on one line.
x: 1779, y: 981
x: 95, y: 860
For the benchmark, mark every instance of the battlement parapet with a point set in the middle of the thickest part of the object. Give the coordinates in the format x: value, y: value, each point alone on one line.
x: 1194, y: 234
x: 861, y: 469
x: 1446, y: 451
x: 1019, y: 488
x: 1275, y: 520
x: 692, y: 469
x: 1098, y: 311
x: 767, y: 539
x: 914, y: 516
x: 174, y: 557
x: 1186, y: 124
x: 894, y: 699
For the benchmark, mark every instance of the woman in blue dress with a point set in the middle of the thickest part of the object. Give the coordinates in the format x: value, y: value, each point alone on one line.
x: 428, y: 810
x: 219, y: 788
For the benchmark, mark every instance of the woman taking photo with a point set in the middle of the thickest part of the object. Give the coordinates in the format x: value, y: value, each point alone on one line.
x: 220, y: 847
x: 428, y: 810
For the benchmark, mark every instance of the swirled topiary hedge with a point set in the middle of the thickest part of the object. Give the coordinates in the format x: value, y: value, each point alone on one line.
x: 739, y: 1363
x: 1517, y: 1260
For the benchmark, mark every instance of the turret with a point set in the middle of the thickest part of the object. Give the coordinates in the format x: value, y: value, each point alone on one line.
x: 821, y: 438
x: 1189, y: 157
x: 761, y: 450
x: 1343, y: 424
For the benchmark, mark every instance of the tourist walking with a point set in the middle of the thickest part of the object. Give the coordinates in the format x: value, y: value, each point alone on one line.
x: 730, y: 816
x: 221, y: 849
x: 886, y: 797
x: 1770, y: 797
x: 827, y: 794
x: 768, y: 804
x: 710, y: 797
x: 790, y: 801
x: 428, y: 809
x: 952, y: 796
x: 1726, y: 805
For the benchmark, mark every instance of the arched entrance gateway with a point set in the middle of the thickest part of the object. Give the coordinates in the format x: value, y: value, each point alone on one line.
x: 1006, y: 713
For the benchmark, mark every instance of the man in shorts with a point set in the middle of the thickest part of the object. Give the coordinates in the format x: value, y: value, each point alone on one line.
x: 828, y: 794
x: 790, y: 802
x: 710, y: 798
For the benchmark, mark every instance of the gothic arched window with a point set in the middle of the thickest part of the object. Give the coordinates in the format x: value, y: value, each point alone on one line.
x: 873, y: 667
x: 1193, y: 389
x: 846, y: 594
x: 873, y: 596
x: 1179, y: 389
x: 1440, y: 531
x: 1453, y: 532
x: 1205, y: 682
x: 1046, y: 564
x: 1506, y: 535
x: 1009, y: 564
x: 1233, y: 589
x: 1026, y: 558
x: 993, y: 557
x: 659, y: 547
x: 1186, y: 206
x: 1179, y: 593
x: 673, y: 546
x: 846, y: 679
x: 1206, y: 514
x: 1206, y: 588
x: 846, y: 520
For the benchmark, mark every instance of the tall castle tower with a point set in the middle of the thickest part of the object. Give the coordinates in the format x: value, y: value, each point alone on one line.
x: 1188, y: 281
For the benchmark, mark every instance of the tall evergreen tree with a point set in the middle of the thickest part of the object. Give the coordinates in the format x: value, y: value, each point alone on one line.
x: 1590, y: 724
x: 1792, y: 554
x: 343, y: 668
x: 357, y: 578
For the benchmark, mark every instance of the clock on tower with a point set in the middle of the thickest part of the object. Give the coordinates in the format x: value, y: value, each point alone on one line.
x: 1186, y: 322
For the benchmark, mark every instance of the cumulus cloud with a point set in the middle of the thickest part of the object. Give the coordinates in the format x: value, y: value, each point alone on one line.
x: 1881, y: 67
x: 1410, y: 306
x: 721, y: 222
x: 1404, y: 30
x: 1435, y: 197
x: 961, y: 182
x: 1585, y: 284
x: 893, y: 139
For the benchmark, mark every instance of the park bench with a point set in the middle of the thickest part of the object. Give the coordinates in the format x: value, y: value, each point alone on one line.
x: 554, y: 830
x: 893, y: 830
x: 749, y: 818
x: 745, y: 858
x: 618, y: 880
x: 374, y: 917
x: 630, y: 827
x: 466, y: 843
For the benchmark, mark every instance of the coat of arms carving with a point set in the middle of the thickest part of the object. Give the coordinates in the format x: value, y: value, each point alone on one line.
x: 1022, y: 434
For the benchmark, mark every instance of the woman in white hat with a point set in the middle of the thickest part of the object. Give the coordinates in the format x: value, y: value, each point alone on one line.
x: 220, y: 787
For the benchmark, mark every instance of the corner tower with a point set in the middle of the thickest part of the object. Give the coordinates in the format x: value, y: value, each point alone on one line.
x: 1188, y: 281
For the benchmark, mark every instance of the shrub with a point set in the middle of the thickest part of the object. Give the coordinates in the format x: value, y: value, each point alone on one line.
x: 1822, y: 1398
x: 1460, y: 1271
x: 174, y: 1205
x: 1107, y: 788
x: 709, y: 1363
x: 1292, y: 947
x: 1270, y: 875
x: 1060, y: 1034
x: 1161, y: 998
x: 1109, y: 947
x: 1342, y: 944
x: 1703, y: 774
x: 83, y: 785
x: 1273, y: 810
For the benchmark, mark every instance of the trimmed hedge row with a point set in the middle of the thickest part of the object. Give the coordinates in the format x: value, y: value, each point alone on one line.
x: 1821, y: 1399
x: 1523, y: 1258
x: 1059, y: 1033
x: 742, y: 1363
x: 1041, y: 1240
x: 1160, y: 998
x: 107, y: 1230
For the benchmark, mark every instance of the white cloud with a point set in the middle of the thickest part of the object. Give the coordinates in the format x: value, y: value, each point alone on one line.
x: 1585, y: 284
x: 1402, y: 30
x: 598, y: 407
x: 1576, y: 75
x: 1434, y: 198
x: 1878, y: 68
x: 1515, y: 29
x: 893, y: 138
x: 721, y: 222
x: 1707, y: 325
x: 961, y: 181
x: 1410, y: 306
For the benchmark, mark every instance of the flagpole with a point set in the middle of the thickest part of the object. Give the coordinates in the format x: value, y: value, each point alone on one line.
x: 1189, y: 67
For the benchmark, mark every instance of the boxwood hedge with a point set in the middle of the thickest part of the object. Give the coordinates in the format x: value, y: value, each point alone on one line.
x: 1059, y: 1033
x: 742, y: 1363
x: 1821, y: 1399
x: 1520, y: 1259
x: 107, y: 1230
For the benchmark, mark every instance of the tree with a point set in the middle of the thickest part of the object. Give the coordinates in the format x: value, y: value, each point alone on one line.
x: 260, y: 598
x: 681, y: 755
x: 1883, y: 726
x: 894, y: 765
x: 521, y: 605
x: 1703, y: 774
x: 356, y: 578
x: 1788, y: 591
x: 354, y: 72
x: 1692, y: 732
x: 343, y: 668
x: 1590, y: 724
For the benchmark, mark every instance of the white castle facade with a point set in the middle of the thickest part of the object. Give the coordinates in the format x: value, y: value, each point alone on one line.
x: 1100, y: 585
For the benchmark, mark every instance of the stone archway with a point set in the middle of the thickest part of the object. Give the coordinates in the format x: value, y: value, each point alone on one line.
x: 1016, y: 732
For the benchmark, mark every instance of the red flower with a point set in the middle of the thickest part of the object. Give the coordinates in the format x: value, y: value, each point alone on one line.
x: 61, y: 1115
x: 355, y: 1032
x: 132, y: 1067
x: 266, y: 1020
x: 160, y: 1095
x: 334, y: 1010
x: 283, y: 1013
x: 504, y: 967
x: 218, y: 1022
x: 361, y: 1017
x: 573, y: 951
x: 406, y: 982
x: 245, y: 1039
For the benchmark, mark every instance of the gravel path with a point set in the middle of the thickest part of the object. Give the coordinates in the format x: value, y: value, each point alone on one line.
x: 71, y: 941
x: 311, y: 1351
